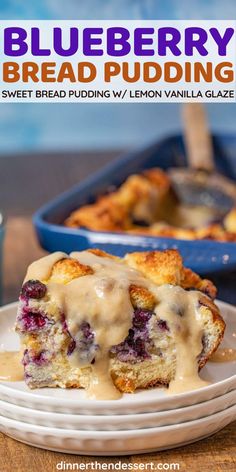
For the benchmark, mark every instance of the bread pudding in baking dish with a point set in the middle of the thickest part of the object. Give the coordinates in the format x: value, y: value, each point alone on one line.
x: 146, y: 204
x: 110, y: 325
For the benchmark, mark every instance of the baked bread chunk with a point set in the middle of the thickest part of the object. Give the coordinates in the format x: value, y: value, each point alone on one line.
x: 146, y: 204
x: 95, y: 321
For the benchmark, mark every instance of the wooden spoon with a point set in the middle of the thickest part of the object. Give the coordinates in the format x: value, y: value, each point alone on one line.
x: 200, y: 184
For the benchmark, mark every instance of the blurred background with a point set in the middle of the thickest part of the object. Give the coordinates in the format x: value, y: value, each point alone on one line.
x: 46, y: 148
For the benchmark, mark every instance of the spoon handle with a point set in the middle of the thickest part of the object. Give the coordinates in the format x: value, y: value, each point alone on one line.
x: 198, y: 142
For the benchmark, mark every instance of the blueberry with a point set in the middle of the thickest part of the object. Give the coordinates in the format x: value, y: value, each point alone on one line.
x: 130, y: 338
x: 141, y: 318
x: 39, y: 359
x: 86, y: 330
x: 83, y: 342
x: 71, y: 347
x: 25, y: 359
x: 32, y: 320
x: 64, y: 323
x: 33, y: 289
x: 162, y: 325
x: 134, y: 346
x: 139, y: 346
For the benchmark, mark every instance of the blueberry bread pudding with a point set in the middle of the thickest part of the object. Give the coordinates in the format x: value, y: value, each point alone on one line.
x: 147, y: 204
x: 110, y: 325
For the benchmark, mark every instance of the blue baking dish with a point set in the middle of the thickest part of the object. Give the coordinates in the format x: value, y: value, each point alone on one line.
x: 202, y: 256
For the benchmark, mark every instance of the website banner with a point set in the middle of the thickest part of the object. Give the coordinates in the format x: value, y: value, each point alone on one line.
x: 117, y: 61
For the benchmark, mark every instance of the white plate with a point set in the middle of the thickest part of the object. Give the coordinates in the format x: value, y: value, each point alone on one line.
x: 222, y: 376
x: 118, y: 422
x: 110, y: 443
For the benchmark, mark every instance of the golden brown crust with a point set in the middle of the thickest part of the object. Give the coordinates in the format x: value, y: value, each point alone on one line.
x: 212, y: 314
x: 162, y: 267
x: 140, y: 196
x: 141, y: 186
x: 230, y: 221
x: 163, y: 230
x: 159, y: 178
x: 104, y: 215
x: 148, y: 198
x: 209, y: 304
x: 68, y: 269
x: 100, y: 253
x: 141, y: 297
x: 215, y: 232
x: 124, y: 384
x: 191, y: 280
x: 166, y: 267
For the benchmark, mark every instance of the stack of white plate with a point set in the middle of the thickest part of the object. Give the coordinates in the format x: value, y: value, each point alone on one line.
x: 64, y: 420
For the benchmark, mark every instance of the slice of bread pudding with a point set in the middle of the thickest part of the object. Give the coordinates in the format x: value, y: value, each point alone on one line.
x: 92, y: 320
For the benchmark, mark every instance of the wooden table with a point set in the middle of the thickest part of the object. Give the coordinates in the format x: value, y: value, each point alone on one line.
x: 25, y: 183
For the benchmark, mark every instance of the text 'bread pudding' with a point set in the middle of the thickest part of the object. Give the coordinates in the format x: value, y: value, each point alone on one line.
x: 107, y: 324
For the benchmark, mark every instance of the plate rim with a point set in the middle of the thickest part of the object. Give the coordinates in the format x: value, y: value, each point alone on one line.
x: 124, y: 434
x: 7, y: 389
x: 129, y: 417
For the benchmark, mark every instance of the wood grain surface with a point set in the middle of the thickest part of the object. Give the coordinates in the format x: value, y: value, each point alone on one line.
x: 25, y: 183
